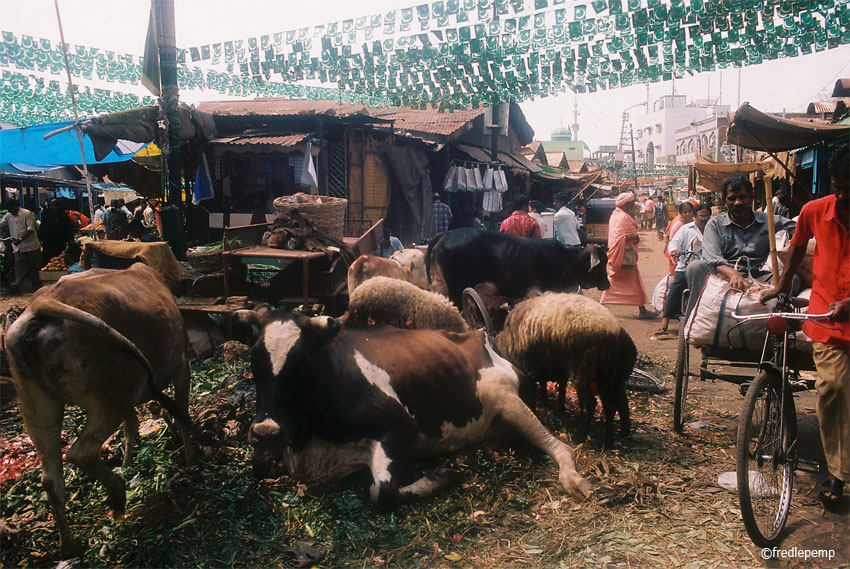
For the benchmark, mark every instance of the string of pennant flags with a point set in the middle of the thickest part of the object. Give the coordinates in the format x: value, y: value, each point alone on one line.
x: 453, y: 54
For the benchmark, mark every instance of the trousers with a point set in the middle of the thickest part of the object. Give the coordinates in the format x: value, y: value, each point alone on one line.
x: 27, y: 266
x: 833, y: 387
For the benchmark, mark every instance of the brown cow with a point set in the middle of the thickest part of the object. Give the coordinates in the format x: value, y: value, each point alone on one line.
x: 367, y: 266
x: 105, y: 341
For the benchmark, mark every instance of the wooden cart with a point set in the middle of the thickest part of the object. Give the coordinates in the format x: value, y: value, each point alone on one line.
x: 282, y: 275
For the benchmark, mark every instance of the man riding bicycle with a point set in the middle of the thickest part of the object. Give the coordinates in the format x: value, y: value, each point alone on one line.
x: 827, y: 220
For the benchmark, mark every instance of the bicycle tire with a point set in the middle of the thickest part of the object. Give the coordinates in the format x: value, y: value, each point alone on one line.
x: 475, y: 313
x: 681, y: 375
x: 765, y: 459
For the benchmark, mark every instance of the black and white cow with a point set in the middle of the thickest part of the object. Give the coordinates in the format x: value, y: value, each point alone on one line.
x: 332, y: 400
x: 515, y: 265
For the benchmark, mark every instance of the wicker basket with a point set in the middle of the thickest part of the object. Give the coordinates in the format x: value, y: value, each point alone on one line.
x: 326, y: 213
x: 205, y: 262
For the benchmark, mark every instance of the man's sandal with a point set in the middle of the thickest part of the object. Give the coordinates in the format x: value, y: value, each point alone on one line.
x: 832, y: 494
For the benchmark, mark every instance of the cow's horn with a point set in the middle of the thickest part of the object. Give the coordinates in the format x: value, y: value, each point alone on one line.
x: 594, y: 257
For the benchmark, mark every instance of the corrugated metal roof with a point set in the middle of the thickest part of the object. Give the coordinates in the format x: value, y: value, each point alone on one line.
x: 406, y: 120
x: 821, y: 107
x: 555, y: 158
x: 511, y: 160
x: 282, y: 141
x: 273, y: 107
x: 842, y: 88
x: 430, y: 121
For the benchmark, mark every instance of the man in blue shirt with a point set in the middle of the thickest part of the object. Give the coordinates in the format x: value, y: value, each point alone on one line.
x: 442, y: 215
x: 728, y: 238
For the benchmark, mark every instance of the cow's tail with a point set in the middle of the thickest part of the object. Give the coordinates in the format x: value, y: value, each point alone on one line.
x: 56, y: 309
x: 431, y: 246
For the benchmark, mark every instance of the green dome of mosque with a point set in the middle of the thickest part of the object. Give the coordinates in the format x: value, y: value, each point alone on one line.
x: 562, y: 133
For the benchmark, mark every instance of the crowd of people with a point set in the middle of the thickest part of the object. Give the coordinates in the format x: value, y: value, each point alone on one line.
x: 28, y: 244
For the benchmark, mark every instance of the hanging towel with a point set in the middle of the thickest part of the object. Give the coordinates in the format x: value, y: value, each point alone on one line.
x: 479, y: 183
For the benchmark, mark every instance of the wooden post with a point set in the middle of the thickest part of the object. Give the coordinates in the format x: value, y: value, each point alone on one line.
x: 771, y: 227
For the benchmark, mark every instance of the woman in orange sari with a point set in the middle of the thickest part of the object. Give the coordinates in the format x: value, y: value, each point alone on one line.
x: 626, y: 283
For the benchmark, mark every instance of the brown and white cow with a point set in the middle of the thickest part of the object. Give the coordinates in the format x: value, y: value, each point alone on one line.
x: 104, y: 341
x: 332, y: 400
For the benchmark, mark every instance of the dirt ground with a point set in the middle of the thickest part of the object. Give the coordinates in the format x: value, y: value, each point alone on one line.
x: 718, y: 403
x: 659, y: 505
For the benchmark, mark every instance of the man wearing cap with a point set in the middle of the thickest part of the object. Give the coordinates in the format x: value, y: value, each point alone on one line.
x: 566, y: 224
x: 442, y: 215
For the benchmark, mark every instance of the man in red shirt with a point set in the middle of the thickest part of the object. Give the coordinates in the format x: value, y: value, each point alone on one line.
x: 519, y: 222
x: 828, y: 220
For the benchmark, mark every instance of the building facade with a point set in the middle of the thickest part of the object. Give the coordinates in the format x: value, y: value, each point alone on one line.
x: 655, y: 132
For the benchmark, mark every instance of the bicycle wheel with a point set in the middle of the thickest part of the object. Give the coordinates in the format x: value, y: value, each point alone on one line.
x: 765, y: 459
x: 475, y: 312
x: 681, y: 375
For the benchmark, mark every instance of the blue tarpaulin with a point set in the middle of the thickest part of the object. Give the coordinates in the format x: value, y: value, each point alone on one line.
x: 27, y: 149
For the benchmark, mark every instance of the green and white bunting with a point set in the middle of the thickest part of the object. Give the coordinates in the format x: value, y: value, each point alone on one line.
x: 453, y: 54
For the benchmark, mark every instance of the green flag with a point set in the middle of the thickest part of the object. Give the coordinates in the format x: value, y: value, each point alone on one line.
x: 150, y: 69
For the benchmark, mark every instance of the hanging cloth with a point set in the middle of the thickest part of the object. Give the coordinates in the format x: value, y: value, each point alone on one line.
x: 461, y: 179
x: 492, y: 201
x: 470, y: 180
x: 479, y: 183
x: 449, y: 184
x: 501, y: 181
x: 487, y: 182
x: 308, y: 170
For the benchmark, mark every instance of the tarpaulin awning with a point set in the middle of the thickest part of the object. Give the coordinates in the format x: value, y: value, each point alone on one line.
x: 711, y: 174
x: 27, y: 149
x: 754, y: 129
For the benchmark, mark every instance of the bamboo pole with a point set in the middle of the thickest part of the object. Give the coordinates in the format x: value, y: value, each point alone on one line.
x: 771, y: 227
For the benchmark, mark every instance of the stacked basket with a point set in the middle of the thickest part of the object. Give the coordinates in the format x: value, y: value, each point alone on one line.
x: 326, y: 213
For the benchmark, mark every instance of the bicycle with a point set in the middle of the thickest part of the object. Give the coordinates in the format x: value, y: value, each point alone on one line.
x: 766, y: 455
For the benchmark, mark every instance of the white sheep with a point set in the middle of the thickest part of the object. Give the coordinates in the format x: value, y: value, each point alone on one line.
x: 384, y: 300
x: 560, y: 337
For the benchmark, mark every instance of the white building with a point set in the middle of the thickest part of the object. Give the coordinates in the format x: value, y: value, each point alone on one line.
x: 705, y: 137
x: 655, y: 132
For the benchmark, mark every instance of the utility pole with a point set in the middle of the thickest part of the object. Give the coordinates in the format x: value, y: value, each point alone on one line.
x: 634, y: 162
x: 170, y: 98
x: 575, y: 119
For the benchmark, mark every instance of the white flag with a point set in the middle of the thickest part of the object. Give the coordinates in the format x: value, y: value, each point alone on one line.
x: 308, y: 170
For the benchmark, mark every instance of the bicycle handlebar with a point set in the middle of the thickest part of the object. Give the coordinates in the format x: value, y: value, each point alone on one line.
x: 788, y: 315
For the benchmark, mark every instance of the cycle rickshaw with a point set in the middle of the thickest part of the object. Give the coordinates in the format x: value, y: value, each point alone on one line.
x: 766, y: 449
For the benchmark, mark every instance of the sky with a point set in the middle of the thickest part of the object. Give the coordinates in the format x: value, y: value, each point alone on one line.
x: 120, y: 25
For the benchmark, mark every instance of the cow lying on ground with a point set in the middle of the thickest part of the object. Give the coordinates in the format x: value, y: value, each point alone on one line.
x: 515, y: 265
x: 367, y: 266
x: 569, y: 337
x: 332, y: 400
x: 104, y: 341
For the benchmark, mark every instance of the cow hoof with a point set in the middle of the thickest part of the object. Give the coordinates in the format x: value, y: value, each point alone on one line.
x: 71, y: 549
x: 576, y: 486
